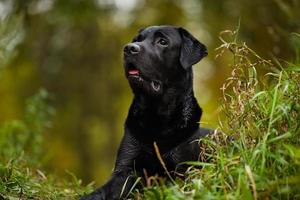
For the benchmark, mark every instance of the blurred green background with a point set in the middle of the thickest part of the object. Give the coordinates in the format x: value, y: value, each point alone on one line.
x: 73, y: 49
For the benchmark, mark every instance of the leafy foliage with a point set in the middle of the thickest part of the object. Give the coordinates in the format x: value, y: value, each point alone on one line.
x: 11, y: 34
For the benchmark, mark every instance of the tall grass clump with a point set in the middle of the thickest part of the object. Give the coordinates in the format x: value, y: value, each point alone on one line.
x: 22, y: 153
x: 255, y: 153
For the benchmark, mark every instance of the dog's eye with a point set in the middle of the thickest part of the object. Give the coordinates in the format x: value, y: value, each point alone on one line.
x: 162, y: 42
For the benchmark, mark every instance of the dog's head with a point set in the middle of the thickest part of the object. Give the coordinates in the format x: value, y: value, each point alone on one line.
x: 160, y: 56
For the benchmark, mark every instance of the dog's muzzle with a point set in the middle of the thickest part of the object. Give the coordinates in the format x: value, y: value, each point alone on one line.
x: 131, y: 49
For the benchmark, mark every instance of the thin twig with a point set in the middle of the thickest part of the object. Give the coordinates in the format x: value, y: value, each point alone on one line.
x: 162, y: 162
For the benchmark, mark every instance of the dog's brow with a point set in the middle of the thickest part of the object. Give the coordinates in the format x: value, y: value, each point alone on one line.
x: 139, y: 37
x: 161, y: 33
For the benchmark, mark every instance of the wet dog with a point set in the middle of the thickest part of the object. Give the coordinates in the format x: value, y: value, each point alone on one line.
x: 158, y: 66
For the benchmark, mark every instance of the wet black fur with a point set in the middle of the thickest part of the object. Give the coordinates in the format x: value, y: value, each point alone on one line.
x: 169, y: 116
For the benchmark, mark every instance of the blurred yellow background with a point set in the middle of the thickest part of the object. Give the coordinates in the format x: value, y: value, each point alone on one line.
x: 73, y: 49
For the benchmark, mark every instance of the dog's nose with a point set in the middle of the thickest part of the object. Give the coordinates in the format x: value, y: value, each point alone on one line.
x: 131, y: 49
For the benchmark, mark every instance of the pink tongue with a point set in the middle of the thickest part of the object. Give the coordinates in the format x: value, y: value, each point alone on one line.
x: 134, y: 72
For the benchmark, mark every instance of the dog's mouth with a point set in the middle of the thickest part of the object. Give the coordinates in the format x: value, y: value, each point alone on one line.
x: 133, y: 71
x: 138, y: 81
x: 134, y: 74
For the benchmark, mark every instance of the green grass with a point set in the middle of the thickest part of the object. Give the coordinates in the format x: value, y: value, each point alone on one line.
x: 255, y: 154
x: 21, y: 154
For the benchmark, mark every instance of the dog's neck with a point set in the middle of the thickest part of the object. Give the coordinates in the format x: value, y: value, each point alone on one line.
x: 177, y: 109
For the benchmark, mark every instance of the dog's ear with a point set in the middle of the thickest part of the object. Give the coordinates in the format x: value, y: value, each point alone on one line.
x: 192, y: 51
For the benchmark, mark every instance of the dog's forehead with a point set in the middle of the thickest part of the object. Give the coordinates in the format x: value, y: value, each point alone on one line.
x: 170, y: 31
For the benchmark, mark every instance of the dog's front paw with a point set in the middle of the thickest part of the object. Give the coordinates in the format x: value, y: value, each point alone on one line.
x: 97, y: 195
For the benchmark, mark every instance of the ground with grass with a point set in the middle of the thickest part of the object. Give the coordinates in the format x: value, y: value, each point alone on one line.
x: 255, y: 154
x: 21, y: 155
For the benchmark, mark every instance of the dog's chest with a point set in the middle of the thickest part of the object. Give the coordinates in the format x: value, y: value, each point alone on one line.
x: 151, y: 162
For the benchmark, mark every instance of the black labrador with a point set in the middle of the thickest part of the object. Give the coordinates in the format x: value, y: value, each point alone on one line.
x: 158, y: 66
